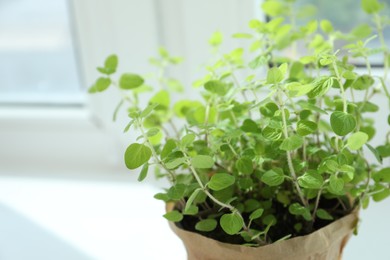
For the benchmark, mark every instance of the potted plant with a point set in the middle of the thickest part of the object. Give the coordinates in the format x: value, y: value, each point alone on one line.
x: 271, y: 163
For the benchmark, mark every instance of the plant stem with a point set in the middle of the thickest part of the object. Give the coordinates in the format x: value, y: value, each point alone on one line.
x: 232, y: 149
x: 206, y: 122
x: 336, y: 70
x: 313, y: 216
x: 218, y: 202
x: 289, y: 160
x: 154, y: 153
x: 367, y: 185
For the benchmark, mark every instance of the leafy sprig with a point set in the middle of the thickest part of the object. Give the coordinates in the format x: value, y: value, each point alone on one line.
x: 276, y: 139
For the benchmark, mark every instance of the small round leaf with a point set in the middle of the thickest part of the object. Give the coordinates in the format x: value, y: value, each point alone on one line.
x: 174, y: 216
x: 136, y: 155
x: 273, y: 177
x: 206, y: 225
x: 220, y: 181
x: 342, y: 123
x: 202, y: 161
x: 231, y: 223
x: 130, y: 81
x: 357, y: 140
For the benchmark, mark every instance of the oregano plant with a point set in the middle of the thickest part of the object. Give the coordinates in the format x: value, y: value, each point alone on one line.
x: 278, y: 144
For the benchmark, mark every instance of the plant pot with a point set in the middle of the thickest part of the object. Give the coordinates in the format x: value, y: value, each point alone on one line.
x: 326, y: 243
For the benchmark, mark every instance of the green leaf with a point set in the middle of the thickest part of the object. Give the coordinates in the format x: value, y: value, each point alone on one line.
x: 220, y: 181
x: 291, y: 143
x: 256, y: 214
x: 206, y: 225
x: 274, y: 76
x: 216, y: 87
x: 156, y: 139
x: 342, y: 123
x: 153, y: 131
x: 368, y: 107
x: 326, y: 26
x: 175, y: 163
x: 111, y: 64
x: 148, y: 110
x: 336, y: 185
x: 273, y: 177
x: 174, y: 216
x: 311, y: 180
x: 177, y: 191
x: 363, y: 82
x: 144, y: 172
x: 382, y: 175
x: 130, y: 81
x: 102, y: 84
x: 371, y: 6
x: 162, y: 99
x: 128, y: 126
x: 357, y: 140
x: 321, y: 86
x: 216, y: 39
x: 361, y: 31
x: 384, y: 150
x: 299, y: 210
x: 273, y: 8
x: 191, y: 210
x: 136, y: 155
x: 192, y: 198
x: 244, y: 165
x: 249, y: 126
x: 349, y: 75
x: 323, y: 214
x: 272, y: 134
x: 202, y: 161
x: 169, y: 146
x: 381, y: 192
x: 306, y: 127
x: 269, y: 109
x: 187, y: 140
x: 161, y: 196
x: 231, y: 223
x: 375, y: 152
x: 297, y: 89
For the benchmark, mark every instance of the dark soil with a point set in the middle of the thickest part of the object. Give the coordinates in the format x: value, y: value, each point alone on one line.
x: 285, y: 223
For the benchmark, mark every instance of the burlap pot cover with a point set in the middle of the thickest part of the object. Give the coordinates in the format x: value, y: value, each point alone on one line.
x: 324, y: 244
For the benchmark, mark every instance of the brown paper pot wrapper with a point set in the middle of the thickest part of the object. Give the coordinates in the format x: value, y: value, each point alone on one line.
x: 326, y: 243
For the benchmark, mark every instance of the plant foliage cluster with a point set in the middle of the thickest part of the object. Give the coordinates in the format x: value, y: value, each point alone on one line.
x: 279, y: 141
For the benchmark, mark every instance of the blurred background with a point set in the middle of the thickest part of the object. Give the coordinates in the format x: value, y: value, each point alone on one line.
x: 64, y: 190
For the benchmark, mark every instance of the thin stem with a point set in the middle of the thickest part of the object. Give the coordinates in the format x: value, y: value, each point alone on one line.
x: 289, y: 160
x: 367, y: 185
x: 206, y: 122
x: 232, y: 149
x: 336, y: 70
x: 234, y: 118
x: 313, y: 216
x: 154, y: 153
x: 218, y: 202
